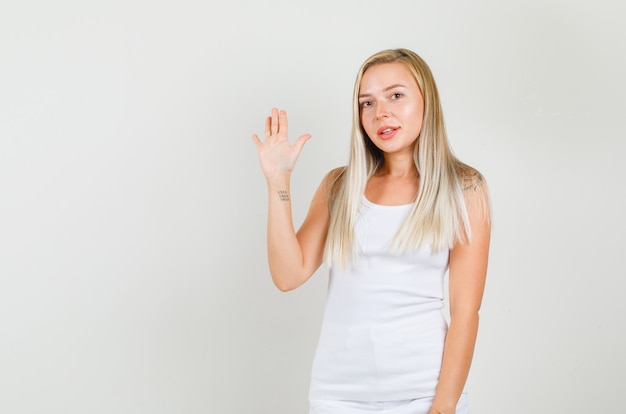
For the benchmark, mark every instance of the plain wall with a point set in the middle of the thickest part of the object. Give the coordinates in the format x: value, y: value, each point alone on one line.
x: 133, y: 275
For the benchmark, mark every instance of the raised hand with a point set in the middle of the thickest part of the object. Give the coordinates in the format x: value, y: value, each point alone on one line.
x: 276, y: 155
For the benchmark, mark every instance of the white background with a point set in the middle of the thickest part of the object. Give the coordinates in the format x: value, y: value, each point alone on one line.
x: 133, y: 276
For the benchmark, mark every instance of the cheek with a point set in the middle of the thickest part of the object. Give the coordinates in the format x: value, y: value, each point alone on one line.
x: 366, y: 121
x: 417, y: 115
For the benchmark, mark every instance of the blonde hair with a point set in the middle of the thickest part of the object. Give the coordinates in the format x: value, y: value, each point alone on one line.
x: 439, y: 215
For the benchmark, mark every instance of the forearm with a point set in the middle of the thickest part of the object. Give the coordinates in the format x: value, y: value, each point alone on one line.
x: 283, y: 250
x: 457, y: 358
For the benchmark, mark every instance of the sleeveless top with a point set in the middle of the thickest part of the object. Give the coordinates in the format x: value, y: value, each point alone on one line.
x: 383, y: 330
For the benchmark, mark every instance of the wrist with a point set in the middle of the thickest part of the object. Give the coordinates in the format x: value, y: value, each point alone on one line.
x: 278, y: 189
x: 278, y: 182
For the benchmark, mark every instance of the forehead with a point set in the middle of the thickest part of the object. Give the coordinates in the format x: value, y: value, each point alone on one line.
x: 383, y: 75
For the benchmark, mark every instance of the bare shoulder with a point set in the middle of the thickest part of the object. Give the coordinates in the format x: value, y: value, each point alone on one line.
x: 333, y: 179
x: 335, y: 174
x: 476, y: 192
x: 471, y: 178
x: 330, y: 185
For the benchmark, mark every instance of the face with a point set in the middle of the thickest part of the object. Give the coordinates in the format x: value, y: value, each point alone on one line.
x: 392, y: 107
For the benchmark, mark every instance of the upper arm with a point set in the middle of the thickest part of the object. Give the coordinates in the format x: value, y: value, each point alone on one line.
x: 312, y: 233
x: 469, y: 257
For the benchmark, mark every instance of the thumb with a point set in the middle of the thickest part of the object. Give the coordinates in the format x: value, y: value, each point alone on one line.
x: 299, y: 143
x: 256, y: 140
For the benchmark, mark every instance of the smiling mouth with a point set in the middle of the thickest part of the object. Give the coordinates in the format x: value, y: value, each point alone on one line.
x: 387, y: 132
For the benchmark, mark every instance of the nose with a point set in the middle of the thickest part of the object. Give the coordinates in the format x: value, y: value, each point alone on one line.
x: 381, y: 111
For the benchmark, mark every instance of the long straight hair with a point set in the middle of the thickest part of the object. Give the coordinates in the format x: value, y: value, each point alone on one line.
x: 438, y: 217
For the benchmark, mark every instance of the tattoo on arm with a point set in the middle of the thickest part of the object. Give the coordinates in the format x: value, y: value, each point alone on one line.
x: 283, y: 195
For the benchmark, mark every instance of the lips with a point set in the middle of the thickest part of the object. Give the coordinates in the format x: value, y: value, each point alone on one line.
x: 386, y: 132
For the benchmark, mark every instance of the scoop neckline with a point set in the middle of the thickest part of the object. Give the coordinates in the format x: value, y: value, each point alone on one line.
x: 372, y: 204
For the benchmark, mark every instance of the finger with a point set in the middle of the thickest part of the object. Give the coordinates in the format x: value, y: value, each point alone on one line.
x: 256, y: 140
x: 302, y: 139
x: 274, y: 121
x: 282, y: 122
x: 268, y: 129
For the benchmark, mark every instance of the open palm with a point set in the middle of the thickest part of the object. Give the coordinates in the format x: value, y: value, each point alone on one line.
x: 276, y: 154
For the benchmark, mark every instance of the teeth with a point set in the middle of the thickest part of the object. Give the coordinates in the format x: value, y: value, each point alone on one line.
x: 388, y: 130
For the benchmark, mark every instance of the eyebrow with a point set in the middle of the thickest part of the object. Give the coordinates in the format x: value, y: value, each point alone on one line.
x: 395, y: 85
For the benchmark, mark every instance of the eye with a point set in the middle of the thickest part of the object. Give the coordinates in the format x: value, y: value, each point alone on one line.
x: 365, y: 104
x: 396, y: 95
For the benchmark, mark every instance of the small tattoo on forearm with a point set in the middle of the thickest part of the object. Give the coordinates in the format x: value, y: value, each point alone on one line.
x: 284, y: 195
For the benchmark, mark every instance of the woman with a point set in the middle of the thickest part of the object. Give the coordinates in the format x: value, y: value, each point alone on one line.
x: 401, y: 214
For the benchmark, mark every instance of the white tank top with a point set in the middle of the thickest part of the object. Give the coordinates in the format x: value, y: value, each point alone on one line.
x: 383, y: 331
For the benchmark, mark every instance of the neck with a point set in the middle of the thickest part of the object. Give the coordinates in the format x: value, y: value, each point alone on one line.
x: 398, y: 166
